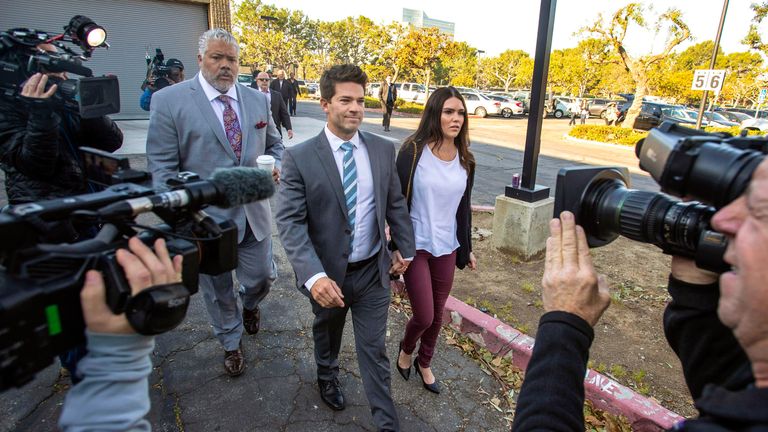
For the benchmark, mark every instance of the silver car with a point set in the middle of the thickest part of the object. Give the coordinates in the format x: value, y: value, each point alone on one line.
x: 479, y: 104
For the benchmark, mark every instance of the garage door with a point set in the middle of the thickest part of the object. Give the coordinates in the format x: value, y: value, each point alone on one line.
x: 134, y: 27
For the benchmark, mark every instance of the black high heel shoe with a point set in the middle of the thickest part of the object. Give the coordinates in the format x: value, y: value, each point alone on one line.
x: 434, y: 387
x: 404, y: 372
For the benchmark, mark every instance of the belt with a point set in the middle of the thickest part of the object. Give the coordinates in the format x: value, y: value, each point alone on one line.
x: 357, y: 265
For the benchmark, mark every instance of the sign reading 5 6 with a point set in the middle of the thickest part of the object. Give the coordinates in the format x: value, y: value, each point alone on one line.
x: 708, y: 79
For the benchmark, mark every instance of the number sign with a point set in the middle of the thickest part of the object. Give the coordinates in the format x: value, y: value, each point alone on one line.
x: 708, y: 79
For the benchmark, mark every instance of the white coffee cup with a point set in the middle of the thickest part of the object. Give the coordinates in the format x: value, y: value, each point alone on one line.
x: 266, y: 162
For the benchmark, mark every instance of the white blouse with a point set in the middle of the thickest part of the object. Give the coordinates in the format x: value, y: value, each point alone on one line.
x: 437, y: 190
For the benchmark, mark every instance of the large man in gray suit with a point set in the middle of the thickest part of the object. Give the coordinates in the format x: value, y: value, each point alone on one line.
x: 210, y: 122
x: 336, y: 192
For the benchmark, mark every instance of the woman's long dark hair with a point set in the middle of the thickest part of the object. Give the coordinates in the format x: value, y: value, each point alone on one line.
x: 430, y: 130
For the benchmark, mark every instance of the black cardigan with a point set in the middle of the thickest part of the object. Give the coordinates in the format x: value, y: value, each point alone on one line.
x: 407, y: 160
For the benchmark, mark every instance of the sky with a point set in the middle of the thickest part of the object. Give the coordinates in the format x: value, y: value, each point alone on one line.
x: 496, y: 25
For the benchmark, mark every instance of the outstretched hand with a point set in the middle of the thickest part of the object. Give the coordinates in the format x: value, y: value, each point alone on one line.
x: 570, y: 283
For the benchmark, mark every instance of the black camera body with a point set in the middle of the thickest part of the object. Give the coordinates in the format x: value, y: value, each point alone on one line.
x: 40, y: 281
x: 159, y: 71
x: 707, y: 170
x: 20, y: 59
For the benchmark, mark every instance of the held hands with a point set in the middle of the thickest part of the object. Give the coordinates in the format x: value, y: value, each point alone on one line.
x: 326, y: 293
x: 276, y: 175
x: 570, y: 283
x: 35, y: 87
x: 399, y: 265
x: 143, y: 269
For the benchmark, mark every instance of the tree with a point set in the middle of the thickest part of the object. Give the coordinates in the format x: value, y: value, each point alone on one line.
x: 458, y: 64
x: 504, y: 68
x: 417, y: 53
x: 753, y: 38
x: 614, y: 31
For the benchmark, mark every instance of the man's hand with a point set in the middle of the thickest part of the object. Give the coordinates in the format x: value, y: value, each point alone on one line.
x: 326, y: 293
x: 399, y: 265
x: 276, y: 175
x: 685, y: 270
x: 290, y: 133
x: 570, y: 283
x: 35, y: 87
x: 143, y: 269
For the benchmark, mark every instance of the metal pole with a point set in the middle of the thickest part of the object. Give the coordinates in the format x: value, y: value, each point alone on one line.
x: 528, y: 191
x: 712, y: 62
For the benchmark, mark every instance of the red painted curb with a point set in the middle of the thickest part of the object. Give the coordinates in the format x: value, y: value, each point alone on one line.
x: 499, y: 338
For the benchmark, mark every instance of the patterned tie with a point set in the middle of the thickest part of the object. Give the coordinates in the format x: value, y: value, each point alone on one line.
x: 349, y: 183
x: 232, y: 126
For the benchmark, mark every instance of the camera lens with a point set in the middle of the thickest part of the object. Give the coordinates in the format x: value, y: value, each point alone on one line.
x: 609, y: 209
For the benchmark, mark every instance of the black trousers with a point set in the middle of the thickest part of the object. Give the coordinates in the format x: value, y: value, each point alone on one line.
x: 387, y: 116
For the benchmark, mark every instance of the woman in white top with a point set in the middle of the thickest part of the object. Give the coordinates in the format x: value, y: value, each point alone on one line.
x: 436, y: 171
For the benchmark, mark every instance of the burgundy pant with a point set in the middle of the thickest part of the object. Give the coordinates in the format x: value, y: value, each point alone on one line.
x: 428, y: 280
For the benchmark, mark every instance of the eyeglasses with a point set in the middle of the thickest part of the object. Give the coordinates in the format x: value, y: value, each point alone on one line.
x: 262, y: 79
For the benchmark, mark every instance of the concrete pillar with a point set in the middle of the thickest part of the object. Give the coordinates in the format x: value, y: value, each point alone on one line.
x: 521, y: 228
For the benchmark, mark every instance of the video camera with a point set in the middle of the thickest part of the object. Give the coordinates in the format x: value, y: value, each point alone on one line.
x: 714, y: 169
x: 40, y: 282
x: 20, y: 58
x: 158, y: 70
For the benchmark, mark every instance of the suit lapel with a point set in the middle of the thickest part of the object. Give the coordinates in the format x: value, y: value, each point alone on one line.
x: 198, y: 95
x: 246, y: 108
x: 375, y: 160
x: 325, y: 155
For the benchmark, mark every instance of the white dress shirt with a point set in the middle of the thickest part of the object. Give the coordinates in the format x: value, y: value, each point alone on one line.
x: 366, y: 241
x: 438, y: 186
x: 218, y: 106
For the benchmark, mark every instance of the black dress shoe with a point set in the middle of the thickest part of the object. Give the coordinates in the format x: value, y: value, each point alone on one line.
x: 404, y: 372
x: 330, y: 393
x: 251, y: 319
x: 434, y: 387
x: 234, y: 361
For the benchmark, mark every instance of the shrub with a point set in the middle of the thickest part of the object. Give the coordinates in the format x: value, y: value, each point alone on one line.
x: 399, y: 102
x: 410, y: 107
x: 733, y: 130
x: 607, y: 134
x: 372, y: 102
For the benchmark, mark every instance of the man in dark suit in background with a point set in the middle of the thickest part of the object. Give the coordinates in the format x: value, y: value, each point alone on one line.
x: 276, y: 103
x: 337, y: 191
x: 282, y: 85
x: 387, y: 97
x: 295, y: 90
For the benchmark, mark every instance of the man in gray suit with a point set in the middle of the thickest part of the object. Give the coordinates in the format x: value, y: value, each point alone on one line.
x: 336, y: 192
x: 210, y: 122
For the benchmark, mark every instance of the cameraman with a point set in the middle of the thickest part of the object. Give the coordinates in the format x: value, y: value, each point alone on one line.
x: 39, y: 141
x: 114, y: 392
x: 175, y: 75
x: 725, y: 360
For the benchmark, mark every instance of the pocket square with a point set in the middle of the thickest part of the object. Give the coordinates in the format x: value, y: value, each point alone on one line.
x: 260, y: 124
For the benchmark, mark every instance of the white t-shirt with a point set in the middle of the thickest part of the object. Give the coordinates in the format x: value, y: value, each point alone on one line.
x: 437, y: 190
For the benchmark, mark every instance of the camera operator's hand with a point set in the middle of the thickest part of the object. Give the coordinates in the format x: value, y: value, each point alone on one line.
x: 570, y: 283
x: 35, y: 87
x: 143, y: 269
x: 685, y: 270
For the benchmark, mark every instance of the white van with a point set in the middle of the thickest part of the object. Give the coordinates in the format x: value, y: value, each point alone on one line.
x: 412, y: 92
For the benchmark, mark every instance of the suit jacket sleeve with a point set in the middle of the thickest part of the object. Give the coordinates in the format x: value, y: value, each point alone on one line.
x: 398, y: 218
x: 291, y: 219
x: 285, y: 118
x: 163, y: 159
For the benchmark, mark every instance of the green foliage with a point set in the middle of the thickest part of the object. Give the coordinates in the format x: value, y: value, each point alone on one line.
x: 735, y: 130
x: 607, y: 134
x: 507, y: 69
x: 372, y: 102
x: 412, y: 108
x: 399, y: 102
x: 618, y: 371
x: 528, y: 287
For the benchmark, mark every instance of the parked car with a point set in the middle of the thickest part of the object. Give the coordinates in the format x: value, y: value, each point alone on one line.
x: 559, y: 107
x: 245, y: 79
x: 597, y: 107
x: 735, y: 116
x: 411, y: 92
x: 509, y: 106
x: 373, y: 89
x: 680, y: 116
x: 718, y: 120
x: 313, y: 90
x: 755, y: 124
x: 650, y: 114
x: 479, y: 104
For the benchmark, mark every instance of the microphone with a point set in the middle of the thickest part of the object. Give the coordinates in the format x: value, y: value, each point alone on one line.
x: 227, y: 187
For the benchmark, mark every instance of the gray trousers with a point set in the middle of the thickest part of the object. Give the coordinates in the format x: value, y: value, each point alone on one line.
x: 256, y: 271
x: 369, y: 302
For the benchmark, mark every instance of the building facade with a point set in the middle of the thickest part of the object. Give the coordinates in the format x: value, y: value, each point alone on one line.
x: 419, y: 19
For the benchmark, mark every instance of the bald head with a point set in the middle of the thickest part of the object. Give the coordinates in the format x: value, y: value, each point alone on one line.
x: 262, y: 80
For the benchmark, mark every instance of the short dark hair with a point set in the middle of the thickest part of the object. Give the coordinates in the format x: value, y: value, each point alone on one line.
x: 339, y: 74
x: 255, y: 72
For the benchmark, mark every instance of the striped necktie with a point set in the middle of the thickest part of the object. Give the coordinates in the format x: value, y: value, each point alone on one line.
x: 349, y: 183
